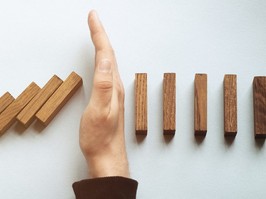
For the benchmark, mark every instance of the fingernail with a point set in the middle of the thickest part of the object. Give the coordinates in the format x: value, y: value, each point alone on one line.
x: 105, y: 66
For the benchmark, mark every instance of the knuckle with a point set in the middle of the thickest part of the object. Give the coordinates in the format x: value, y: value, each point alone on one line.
x: 104, y: 85
x: 107, y: 51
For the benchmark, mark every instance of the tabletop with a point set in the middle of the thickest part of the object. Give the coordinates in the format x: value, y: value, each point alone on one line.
x: 42, y: 38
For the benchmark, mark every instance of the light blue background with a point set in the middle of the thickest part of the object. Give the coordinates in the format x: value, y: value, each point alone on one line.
x: 42, y: 38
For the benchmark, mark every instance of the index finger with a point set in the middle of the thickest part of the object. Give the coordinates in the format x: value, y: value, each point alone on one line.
x: 98, y: 34
x: 103, y: 47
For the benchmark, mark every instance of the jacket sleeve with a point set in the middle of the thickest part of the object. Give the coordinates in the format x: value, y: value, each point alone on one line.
x: 106, y: 188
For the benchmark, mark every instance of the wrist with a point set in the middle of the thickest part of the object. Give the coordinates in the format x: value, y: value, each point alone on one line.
x: 108, y: 165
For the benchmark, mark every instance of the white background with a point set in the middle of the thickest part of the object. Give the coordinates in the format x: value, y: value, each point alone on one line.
x: 42, y: 38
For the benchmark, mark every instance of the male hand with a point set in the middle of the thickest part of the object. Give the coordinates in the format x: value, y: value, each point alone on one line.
x: 102, y: 124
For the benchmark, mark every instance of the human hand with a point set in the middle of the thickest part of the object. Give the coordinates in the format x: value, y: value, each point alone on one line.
x: 102, y: 124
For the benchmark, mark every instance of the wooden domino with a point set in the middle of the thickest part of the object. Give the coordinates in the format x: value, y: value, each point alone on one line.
x: 60, y: 97
x: 169, y: 103
x: 5, y: 101
x: 259, y: 103
x: 200, y: 104
x: 230, y: 105
x: 141, y: 103
x: 27, y: 115
x: 8, y: 116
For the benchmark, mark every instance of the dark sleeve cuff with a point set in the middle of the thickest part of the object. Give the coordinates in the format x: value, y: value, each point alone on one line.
x: 106, y: 188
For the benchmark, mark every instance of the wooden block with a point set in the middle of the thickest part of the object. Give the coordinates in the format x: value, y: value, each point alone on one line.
x: 169, y: 103
x: 141, y: 103
x: 59, y: 98
x: 259, y: 103
x: 8, y: 116
x: 5, y: 101
x: 230, y: 105
x: 27, y: 115
x: 200, y: 104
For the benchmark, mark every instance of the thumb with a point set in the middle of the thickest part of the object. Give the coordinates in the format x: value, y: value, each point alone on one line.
x: 102, y: 84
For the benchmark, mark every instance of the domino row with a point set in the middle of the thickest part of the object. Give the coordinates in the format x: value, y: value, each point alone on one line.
x: 200, y: 104
x: 35, y: 102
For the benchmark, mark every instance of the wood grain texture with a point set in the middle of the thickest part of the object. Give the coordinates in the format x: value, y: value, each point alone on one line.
x: 5, y: 101
x: 259, y: 103
x: 230, y: 105
x: 200, y: 104
x: 169, y: 103
x: 27, y: 115
x: 8, y: 116
x: 141, y: 121
x: 59, y: 98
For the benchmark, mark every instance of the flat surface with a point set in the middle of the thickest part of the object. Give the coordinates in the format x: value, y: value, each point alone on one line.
x: 39, y: 39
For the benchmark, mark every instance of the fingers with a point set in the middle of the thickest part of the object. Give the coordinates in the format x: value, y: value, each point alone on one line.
x: 101, y: 42
x: 103, y: 74
x: 102, y: 86
x: 104, y: 82
x: 98, y: 35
